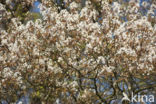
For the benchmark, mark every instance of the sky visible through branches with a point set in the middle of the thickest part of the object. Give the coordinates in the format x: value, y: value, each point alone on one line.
x: 77, y: 54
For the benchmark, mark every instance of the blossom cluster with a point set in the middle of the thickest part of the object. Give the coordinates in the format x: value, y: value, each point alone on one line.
x: 66, y: 50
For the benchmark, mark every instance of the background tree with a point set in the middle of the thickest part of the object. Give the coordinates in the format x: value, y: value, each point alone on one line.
x: 77, y: 55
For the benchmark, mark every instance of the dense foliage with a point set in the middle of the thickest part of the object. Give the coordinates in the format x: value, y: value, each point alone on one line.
x: 76, y: 53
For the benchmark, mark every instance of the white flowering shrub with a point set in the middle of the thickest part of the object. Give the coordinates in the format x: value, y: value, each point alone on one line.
x: 74, y: 56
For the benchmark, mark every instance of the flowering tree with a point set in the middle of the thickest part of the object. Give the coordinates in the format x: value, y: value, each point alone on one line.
x: 79, y: 54
x: 16, y: 9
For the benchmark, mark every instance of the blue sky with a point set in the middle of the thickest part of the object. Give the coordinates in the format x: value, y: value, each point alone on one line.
x: 35, y: 7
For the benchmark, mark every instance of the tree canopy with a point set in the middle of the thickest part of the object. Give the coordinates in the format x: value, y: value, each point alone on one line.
x: 90, y: 52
